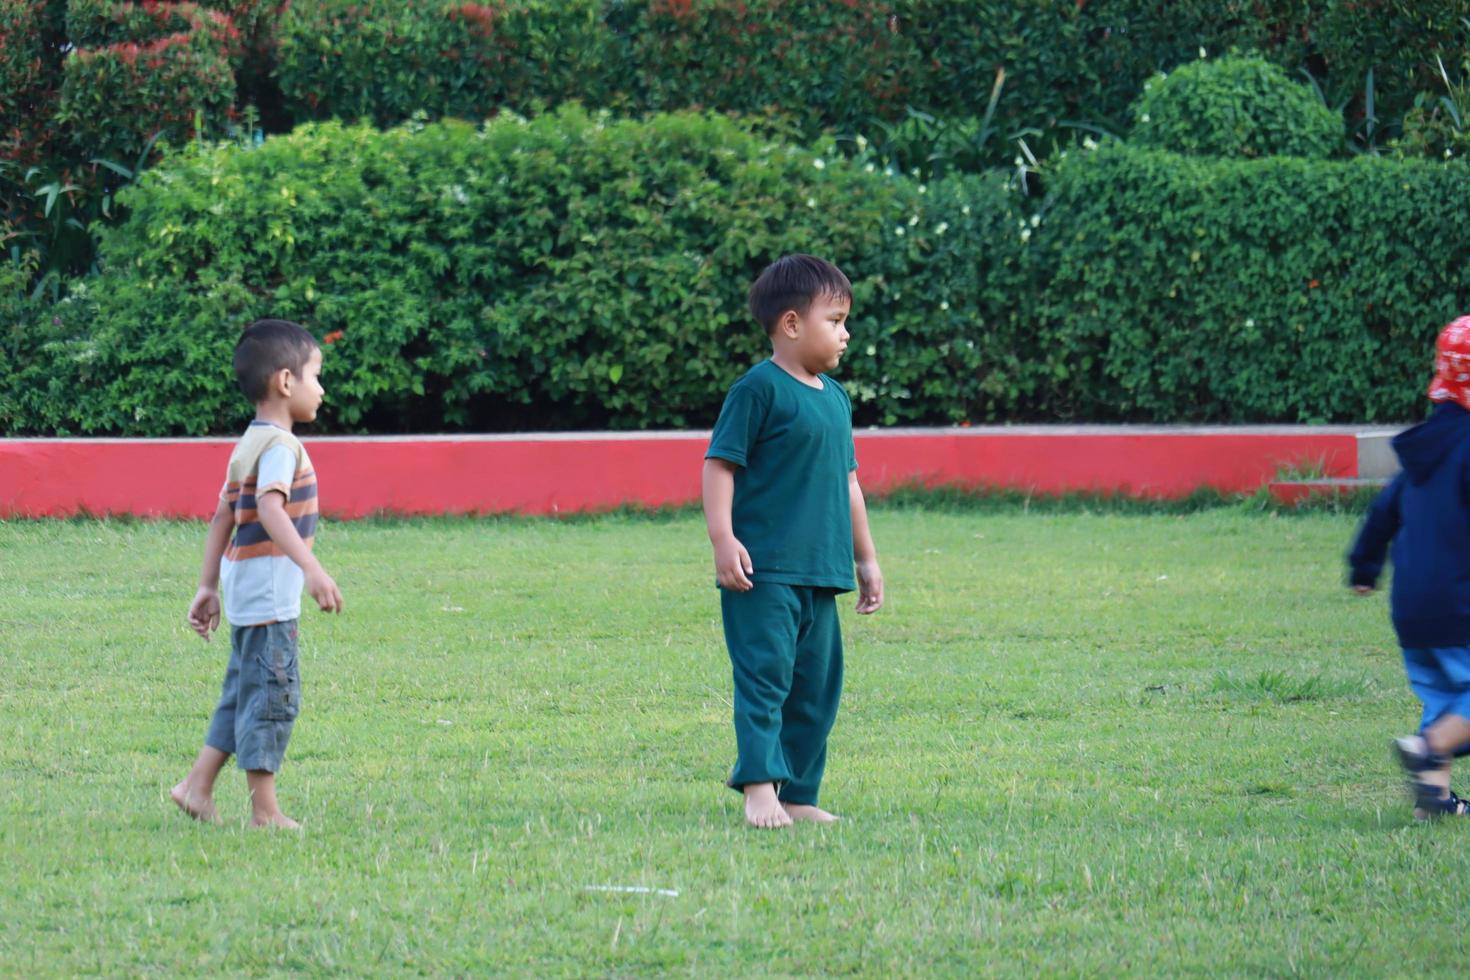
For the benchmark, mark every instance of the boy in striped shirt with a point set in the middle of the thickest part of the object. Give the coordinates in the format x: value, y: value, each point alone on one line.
x: 259, y: 546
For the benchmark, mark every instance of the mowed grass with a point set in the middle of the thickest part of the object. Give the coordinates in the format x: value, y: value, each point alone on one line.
x: 1070, y: 743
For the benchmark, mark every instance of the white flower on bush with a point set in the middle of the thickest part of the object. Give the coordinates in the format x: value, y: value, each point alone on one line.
x: 1036, y: 221
x: 811, y: 202
x: 923, y: 189
x: 1143, y: 118
x: 819, y: 163
x: 965, y: 209
x: 899, y: 231
x: 941, y: 228
x: 944, y: 305
x: 869, y: 168
x: 872, y: 350
x: 1088, y: 143
x: 913, y: 220
x: 1025, y: 234
x: 862, y: 142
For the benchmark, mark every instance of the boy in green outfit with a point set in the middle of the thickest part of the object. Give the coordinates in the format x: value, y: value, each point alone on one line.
x: 787, y: 520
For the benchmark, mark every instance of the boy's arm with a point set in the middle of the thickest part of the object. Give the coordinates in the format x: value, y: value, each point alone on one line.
x: 1365, y: 561
x: 864, y: 554
x: 732, y: 561
x: 204, y: 611
x: 271, y: 506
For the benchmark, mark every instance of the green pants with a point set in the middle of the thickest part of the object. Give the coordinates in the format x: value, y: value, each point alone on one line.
x: 786, y: 653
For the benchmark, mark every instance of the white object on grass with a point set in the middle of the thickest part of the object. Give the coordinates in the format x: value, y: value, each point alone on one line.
x: 632, y: 890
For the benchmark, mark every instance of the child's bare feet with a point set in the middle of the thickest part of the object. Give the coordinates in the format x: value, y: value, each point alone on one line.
x: 198, y: 805
x: 805, y: 811
x: 762, y: 809
x: 278, y: 821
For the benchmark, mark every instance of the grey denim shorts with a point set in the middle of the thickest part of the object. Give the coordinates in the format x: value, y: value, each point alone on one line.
x: 261, y: 696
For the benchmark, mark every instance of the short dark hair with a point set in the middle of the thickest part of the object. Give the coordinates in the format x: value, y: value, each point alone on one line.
x: 794, y: 282
x: 267, y: 346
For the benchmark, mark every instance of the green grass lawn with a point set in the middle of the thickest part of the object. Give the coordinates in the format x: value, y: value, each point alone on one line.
x: 1071, y: 742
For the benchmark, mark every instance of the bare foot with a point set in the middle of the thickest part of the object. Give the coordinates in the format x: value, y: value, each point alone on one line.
x: 277, y: 822
x: 762, y: 809
x: 805, y: 811
x: 198, y: 806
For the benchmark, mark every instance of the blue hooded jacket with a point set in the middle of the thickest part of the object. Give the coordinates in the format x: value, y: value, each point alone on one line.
x: 1425, y: 513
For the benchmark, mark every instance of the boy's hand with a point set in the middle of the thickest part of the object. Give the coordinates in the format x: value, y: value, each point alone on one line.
x: 732, y: 566
x: 204, y: 612
x: 870, y: 587
x: 321, y: 587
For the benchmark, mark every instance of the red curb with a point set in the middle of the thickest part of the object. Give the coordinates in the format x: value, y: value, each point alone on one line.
x: 572, y: 472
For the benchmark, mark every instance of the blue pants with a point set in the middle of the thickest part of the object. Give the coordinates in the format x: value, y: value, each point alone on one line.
x: 1440, y: 678
x: 260, y: 698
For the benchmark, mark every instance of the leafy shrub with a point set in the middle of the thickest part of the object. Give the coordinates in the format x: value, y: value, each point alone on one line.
x: 1439, y: 124
x: 87, y: 89
x: 179, y: 70
x: 1398, y: 41
x: 1281, y: 290
x: 30, y: 77
x: 948, y: 334
x: 1235, y: 107
x: 563, y: 272
x: 809, y: 65
x: 386, y: 60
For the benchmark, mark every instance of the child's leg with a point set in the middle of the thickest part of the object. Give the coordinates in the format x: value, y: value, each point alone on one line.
x: 1440, y: 678
x: 195, y: 795
x: 760, y: 634
x: 270, y: 696
x: 811, y: 707
x: 264, y: 810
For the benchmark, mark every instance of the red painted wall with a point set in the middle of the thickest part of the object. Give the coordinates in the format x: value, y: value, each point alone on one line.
x: 578, y: 472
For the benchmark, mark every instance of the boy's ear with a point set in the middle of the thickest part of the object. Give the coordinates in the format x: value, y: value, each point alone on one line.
x: 281, y: 382
x: 789, y: 324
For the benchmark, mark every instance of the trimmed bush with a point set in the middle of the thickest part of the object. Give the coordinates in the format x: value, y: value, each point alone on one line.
x: 565, y: 272
x: 1235, y: 107
x: 386, y: 60
x: 1283, y: 290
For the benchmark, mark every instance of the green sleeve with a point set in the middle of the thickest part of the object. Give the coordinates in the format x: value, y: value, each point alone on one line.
x: 738, y: 426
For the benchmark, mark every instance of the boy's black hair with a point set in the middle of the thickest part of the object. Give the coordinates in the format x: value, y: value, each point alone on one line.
x: 267, y: 346
x: 794, y: 282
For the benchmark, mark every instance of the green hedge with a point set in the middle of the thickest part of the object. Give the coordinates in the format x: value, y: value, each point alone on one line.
x: 565, y: 272
x: 1235, y: 107
x: 573, y: 271
x: 820, y: 64
x: 1282, y: 290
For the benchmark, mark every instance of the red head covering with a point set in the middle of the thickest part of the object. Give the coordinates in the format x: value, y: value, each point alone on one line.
x: 1452, y: 364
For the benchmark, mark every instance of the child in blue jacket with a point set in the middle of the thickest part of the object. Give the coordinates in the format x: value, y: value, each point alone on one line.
x: 1425, y: 513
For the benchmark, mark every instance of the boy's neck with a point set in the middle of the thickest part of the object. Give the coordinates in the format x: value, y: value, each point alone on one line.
x: 788, y: 363
x: 275, y: 412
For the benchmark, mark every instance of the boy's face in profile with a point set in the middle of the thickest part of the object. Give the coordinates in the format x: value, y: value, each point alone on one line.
x: 306, y: 390
x: 821, y: 335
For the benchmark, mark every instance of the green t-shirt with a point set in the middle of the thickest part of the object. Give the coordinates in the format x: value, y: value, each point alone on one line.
x: 793, y: 444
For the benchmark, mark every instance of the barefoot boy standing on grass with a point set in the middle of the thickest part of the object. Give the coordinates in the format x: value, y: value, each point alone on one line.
x: 269, y: 502
x: 787, y: 519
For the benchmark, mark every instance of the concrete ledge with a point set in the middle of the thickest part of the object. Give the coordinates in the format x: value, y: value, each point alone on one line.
x: 570, y: 472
